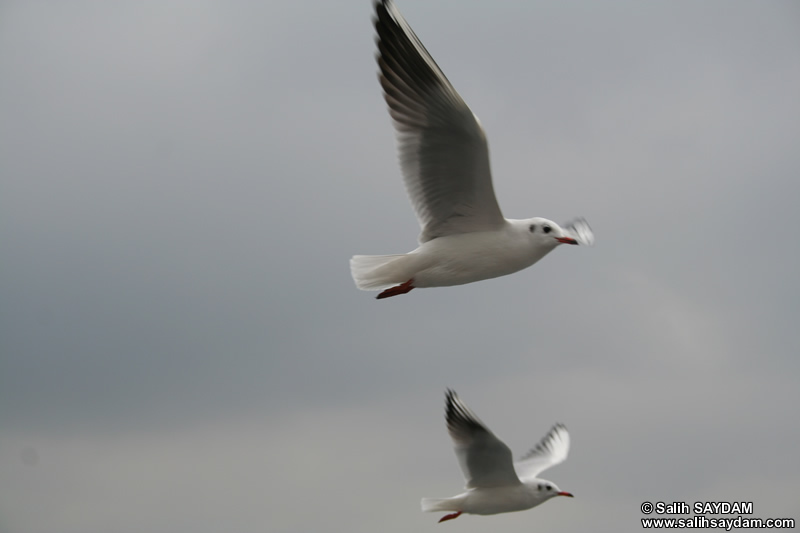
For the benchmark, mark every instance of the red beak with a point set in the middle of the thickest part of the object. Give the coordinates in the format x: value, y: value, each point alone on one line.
x: 565, y: 494
x: 566, y: 240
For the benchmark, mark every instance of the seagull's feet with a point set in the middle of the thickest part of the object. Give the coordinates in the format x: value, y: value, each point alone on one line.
x: 450, y: 516
x: 395, y: 291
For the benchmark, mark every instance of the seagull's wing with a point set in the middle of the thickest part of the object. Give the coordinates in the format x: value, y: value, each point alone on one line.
x: 443, y: 152
x: 484, y: 459
x: 551, y: 450
x: 580, y: 231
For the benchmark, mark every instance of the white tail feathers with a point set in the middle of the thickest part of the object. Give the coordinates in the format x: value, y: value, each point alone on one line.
x: 430, y: 505
x: 375, y: 272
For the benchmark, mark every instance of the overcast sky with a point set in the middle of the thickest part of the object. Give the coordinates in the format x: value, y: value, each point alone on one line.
x: 182, y: 185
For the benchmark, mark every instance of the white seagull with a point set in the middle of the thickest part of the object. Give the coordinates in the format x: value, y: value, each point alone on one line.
x: 444, y: 159
x: 495, y: 484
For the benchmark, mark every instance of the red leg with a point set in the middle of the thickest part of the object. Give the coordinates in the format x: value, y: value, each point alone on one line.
x: 395, y: 291
x: 450, y: 516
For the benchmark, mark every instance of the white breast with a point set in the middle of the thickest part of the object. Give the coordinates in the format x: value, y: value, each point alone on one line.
x: 470, y: 257
x: 500, y: 500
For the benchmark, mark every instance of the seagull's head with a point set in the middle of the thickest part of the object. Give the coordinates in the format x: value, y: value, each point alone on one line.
x: 548, y: 233
x: 547, y: 489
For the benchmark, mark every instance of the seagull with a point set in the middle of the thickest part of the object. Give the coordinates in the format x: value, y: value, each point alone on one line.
x: 495, y: 484
x: 444, y: 160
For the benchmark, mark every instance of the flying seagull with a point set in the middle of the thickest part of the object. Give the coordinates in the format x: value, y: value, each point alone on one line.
x: 495, y: 484
x: 444, y: 159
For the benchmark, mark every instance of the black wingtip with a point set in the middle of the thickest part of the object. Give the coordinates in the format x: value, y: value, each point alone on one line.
x: 450, y: 396
x: 544, y: 445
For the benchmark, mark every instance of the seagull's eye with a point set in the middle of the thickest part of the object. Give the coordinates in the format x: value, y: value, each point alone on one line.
x: 549, y: 487
x: 547, y: 229
x: 532, y: 227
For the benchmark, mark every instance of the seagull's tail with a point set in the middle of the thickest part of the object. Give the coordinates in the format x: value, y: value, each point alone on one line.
x: 375, y: 272
x: 431, y: 505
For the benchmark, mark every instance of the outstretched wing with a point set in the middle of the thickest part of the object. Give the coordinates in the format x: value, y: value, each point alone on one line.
x: 484, y: 459
x: 580, y: 230
x: 443, y: 152
x: 551, y: 450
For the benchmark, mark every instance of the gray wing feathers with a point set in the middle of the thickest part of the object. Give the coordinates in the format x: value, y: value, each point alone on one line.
x: 442, y: 147
x: 550, y: 451
x: 485, y: 460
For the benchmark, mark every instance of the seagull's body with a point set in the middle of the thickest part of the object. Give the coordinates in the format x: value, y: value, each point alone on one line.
x: 488, y: 501
x: 460, y: 258
x: 496, y: 484
x: 444, y: 158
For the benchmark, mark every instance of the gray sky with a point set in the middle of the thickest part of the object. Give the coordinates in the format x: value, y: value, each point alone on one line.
x: 183, y: 183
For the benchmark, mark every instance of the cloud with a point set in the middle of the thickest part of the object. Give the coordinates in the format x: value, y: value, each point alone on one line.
x: 183, y: 347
